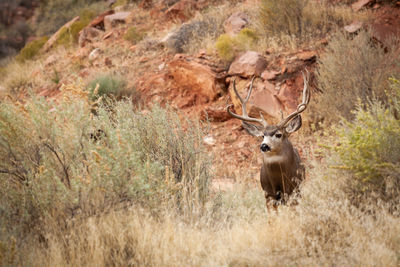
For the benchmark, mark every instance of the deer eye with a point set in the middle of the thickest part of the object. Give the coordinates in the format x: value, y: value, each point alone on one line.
x: 278, y: 135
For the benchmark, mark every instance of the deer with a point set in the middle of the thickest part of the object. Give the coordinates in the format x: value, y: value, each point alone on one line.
x: 282, y: 170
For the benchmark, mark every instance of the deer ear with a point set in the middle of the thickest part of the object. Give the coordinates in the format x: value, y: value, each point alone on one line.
x: 294, y: 124
x: 252, y: 129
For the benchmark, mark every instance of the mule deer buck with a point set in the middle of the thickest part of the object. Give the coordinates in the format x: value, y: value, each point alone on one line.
x: 282, y: 170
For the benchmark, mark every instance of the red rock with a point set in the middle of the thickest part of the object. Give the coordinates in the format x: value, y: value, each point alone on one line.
x: 113, y: 20
x: 236, y: 22
x: 248, y: 64
x: 269, y: 74
x: 88, y: 35
x: 198, y: 79
x: 98, y: 22
x: 353, y: 27
x: 214, y: 114
x: 108, y: 62
x: 107, y: 35
x: 307, y: 55
x: 181, y: 10
x: 357, y: 6
x: 263, y: 99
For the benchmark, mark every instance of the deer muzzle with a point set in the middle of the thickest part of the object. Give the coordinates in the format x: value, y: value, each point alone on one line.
x: 265, y: 148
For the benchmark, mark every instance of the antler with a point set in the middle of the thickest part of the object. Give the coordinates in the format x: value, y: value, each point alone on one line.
x: 245, y: 116
x: 302, y: 106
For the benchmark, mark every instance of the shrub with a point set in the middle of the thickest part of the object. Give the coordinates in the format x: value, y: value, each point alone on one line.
x: 58, y: 160
x: 228, y: 46
x: 31, y: 49
x: 106, y: 85
x: 370, y: 148
x: 134, y: 35
x: 70, y: 35
x: 353, y: 69
x: 302, y: 19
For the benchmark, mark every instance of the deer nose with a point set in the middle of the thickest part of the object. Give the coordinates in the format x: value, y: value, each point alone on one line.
x: 265, y: 147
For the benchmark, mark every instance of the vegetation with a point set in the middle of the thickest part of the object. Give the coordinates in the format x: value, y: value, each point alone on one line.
x: 53, y: 14
x: 70, y: 35
x: 107, y: 85
x: 353, y: 69
x: 229, y: 46
x: 302, y: 19
x: 370, y: 148
x: 60, y: 163
x: 31, y: 49
x: 134, y: 35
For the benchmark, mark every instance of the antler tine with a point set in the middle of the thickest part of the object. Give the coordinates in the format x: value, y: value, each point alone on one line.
x: 303, y: 105
x: 245, y: 116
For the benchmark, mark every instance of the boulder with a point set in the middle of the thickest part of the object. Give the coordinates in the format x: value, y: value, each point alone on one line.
x: 215, y: 114
x: 357, y: 6
x: 88, y: 35
x: 236, y: 22
x: 181, y: 10
x: 353, y: 27
x: 198, y: 79
x: 248, y: 64
x: 263, y: 99
x: 113, y: 20
x: 176, y: 41
x: 49, y: 44
x: 98, y: 22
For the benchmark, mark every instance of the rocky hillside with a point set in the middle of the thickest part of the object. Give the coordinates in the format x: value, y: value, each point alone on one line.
x: 168, y: 54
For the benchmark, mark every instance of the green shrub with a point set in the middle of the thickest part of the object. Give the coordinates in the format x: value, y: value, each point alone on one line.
x: 369, y: 147
x: 134, y: 35
x: 70, y: 35
x: 106, y: 85
x: 353, y: 69
x: 228, y: 46
x: 31, y: 49
x: 57, y: 160
x: 303, y: 19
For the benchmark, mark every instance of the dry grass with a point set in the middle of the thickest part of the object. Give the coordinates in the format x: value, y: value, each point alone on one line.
x: 324, y: 229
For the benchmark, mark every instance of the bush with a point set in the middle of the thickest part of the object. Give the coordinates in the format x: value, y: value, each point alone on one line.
x: 229, y: 46
x: 58, y: 160
x: 31, y: 49
x: 134, y: 35
x: 70, y: 35
x: 301, y: 18
x: 353, y: 69
x: 106, y: 85
x: 370, y: 148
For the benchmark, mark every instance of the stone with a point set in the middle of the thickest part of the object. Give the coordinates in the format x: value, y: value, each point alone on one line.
x: 209, y: 140
x: 248, y: 64
x: 236, y: 22
x: 353, y: 27
x: 215, y: 114
x: 198, y: 79
x: 176, y: 41
x: 88, y: 35
x: 98, y: 22
x: 113, y: 20
x: 269, y: 74
x: 49, y: 44
x: 263, y: 99
x: 181, y: 10
x: 94, y: 54
x: 357, y: 6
